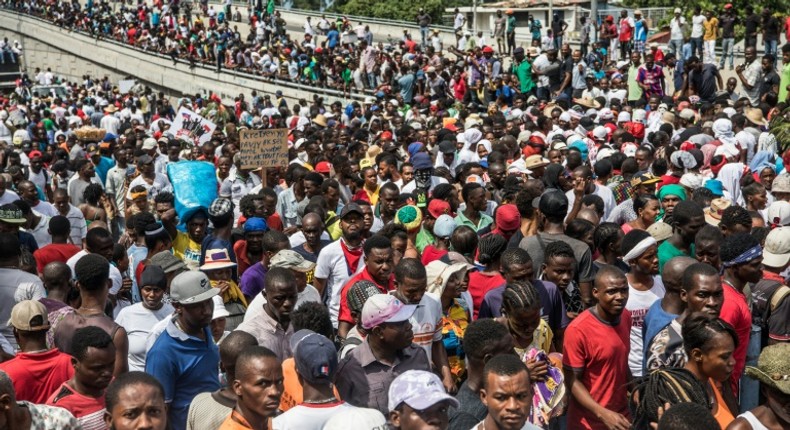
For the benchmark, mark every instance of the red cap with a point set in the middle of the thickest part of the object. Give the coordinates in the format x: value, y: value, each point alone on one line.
x: 386, y: 135
x: 508, y: 218
x: 728, y: 6
x: 323, y: 167
x: 487, y: 50
x: 34, y: 153
x: 438, y: 208
x: 536, y: 140
x: 318, y: 50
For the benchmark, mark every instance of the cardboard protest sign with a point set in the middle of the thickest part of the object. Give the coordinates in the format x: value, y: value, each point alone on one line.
x: 264, y: 148
x: 192, y: 126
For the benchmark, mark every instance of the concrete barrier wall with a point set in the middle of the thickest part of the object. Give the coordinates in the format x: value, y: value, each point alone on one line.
x: 73, y: 55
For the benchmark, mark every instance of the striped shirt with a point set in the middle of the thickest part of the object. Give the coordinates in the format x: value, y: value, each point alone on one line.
x: 89, y: 411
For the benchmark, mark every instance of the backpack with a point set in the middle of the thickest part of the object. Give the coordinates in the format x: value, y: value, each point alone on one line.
x: 772, y: 302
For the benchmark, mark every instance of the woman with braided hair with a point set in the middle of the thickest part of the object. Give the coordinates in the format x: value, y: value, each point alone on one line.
x: 709, y: 344
x: 664, y: 386
x: 489, y: 251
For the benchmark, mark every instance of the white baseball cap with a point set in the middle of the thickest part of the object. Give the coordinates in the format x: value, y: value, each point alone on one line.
x: 777, y: 248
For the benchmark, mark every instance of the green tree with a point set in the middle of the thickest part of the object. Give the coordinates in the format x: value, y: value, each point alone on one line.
x: 405, y: 10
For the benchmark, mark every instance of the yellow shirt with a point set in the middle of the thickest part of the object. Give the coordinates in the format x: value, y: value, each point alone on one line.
x: 711, y: 29
x: 187, y: 250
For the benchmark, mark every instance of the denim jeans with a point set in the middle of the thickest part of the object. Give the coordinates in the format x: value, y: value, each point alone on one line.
x: 558, y: 43
x: 726, y: 50
x: 372, y: 80
x: 676, y: 46
x: 424, y: 35
x: 696, y: 46
x: 770, y: 47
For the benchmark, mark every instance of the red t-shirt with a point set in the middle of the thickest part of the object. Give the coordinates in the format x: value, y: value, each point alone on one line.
x: 479, y: 285
x: 38, y: 376
x: 54, y: 252
x: 89, y: 411
x: 243, y: 263
x: 345, y: 313
x: 736, y: 312
x: 602, y: 351
x: 430, y: 253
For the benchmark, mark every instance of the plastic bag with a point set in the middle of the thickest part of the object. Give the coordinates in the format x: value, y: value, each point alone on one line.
x: 194, y: 187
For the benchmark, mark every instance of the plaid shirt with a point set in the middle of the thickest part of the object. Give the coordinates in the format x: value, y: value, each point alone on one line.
x: 621, y: 188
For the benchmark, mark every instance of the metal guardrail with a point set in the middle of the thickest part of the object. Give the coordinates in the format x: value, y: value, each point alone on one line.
x: 278, y: 82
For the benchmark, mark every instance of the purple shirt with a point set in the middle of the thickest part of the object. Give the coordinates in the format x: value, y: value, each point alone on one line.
x: 552, y: 309
x: 252, y: 280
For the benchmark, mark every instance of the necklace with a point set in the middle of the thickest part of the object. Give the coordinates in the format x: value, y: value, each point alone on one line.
x: 321, y: 402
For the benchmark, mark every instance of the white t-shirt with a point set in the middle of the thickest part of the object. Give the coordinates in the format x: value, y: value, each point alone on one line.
x: 8, y: 197
x: 45, y: 208
x: 638, y: 303
x: 115, y: 274
x: 332, y: 266
x: 138, y: 322
x: 78, y: 227
x: 675, y: 30
x: 309, y: 417
x: 297, y: 238
x: 161, y: 183
x: 255, y: 308
x: 426, y: 323
x: 40, y: 232
x: 697, y: 23
x: 604, y: 193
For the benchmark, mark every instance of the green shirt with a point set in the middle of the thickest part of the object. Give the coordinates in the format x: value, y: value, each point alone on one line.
x: 511, y: 24
x: 424, y: 238
x: 668, y: 251
x: 634, y: 90
x: 784, y: 82
x: 523, y: 72
x: 485, y: 221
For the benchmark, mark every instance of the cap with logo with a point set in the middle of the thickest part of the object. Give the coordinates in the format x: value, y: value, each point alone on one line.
x: 384, y: 308
x: 419, y: 389
x: 217, y: 259
x: 778, y: 214
x: 11, y: 214
x: 315, y: 357
x: 438, y: 207
x: 29, y: 315
x: 191, y: 287
x: 645, y: 178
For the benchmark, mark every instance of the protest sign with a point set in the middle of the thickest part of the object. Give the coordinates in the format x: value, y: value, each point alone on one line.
x: 192, y: 126
x: 264, y: 148
x: 125, y: 85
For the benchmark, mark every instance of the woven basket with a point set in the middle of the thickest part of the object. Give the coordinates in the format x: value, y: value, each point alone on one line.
x: 90, y: 134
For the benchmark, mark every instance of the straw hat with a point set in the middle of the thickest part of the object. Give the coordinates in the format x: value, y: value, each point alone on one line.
x: 714, y: 212
x: 773, y: 367
x: 587, y: 102
x: 755, y: 116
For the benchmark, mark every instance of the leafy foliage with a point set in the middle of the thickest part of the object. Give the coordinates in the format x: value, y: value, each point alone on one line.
x: 405, y: 10
x: 780, y: 127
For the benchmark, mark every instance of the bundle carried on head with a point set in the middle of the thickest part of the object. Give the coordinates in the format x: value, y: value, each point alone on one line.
x: 90, y: 134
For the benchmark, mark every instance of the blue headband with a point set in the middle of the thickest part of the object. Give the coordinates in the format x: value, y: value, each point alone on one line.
x: 747, y: 256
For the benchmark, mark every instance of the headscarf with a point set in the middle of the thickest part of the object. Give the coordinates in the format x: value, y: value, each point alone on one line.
x: 469, y: 152
x: 708, y: 150
x: 761, y: 161
x: 730, y: 177
x: 722, y: 130
x: 551, y: 177
x: 670, y: 190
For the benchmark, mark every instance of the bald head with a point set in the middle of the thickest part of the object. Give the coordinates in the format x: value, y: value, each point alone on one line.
x: 673, y: 273
x: 312, y: 219
x: 53, y: 272
x: 605, y: 274
x: 589, y: 215
x: 236, y: 342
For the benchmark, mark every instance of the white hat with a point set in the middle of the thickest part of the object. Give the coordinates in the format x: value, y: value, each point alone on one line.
x: 565, y: 117
x: 149, y: 144
x: 219, y: 309
x: 687, y: 114
x: 639, y: 115
x: 677, y: 10
x: 600, y: 132
x: 777, y: 248
x: 623, y: 117
x: 779, y: 213
x: 605, y: 114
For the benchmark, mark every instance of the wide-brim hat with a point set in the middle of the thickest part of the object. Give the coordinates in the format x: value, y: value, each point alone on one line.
x: 550, y: 107
x: 755, y: 116
x: 587, y: 102
x: 217, y: 259
x: 714, y: 213
x: 773, y: 367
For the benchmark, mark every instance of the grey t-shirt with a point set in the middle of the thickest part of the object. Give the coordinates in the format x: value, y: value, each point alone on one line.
x: 536, y: 246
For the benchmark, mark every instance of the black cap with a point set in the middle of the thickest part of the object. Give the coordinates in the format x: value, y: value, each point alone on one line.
x: 349, y: 208
x: 552, y: 203
x: 447, y: 147
x: 518, y: 50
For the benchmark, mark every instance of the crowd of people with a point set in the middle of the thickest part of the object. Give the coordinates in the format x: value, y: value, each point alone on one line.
x: 559, y: 245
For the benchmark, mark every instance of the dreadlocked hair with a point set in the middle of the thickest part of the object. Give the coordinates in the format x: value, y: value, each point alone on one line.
x: 519, y: 295
x: 666, y: 385
x: 491, y: 248
x: 605, y: 234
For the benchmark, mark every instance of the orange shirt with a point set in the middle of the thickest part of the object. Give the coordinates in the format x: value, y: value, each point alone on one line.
x: 723, y: 415
x: 293, y: 393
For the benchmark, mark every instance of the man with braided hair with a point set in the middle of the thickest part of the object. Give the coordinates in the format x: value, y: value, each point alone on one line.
x: 742, y: 259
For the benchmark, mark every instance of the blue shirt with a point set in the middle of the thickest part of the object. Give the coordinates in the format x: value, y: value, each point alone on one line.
x: 332, y: 37
x: 186, y: 366
x: 104, y: 166
x: 136, y: 255
x: 655, y: 320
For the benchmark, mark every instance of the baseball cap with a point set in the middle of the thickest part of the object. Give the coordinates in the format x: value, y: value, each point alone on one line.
x: 645, y: 178
x: 421, y: 161
x: 354, y: 418
x: 778, y: 213
x: 660, y: 231
x: 552, y: 202
x: 687, y: 114
x: 323, y: 167
x: 168, y: 262
x: 781, y: 183
x: 349, y: 208
x: 290, y: 259
x: 438, y: 207
x: 315, y: 357
x: 29, y: 315
x: 447, y: 147
x: 149, y: 144
x: 384, y: 308
x: 776, y: 252
x: 677, y: 10
x: 419, y: 389
x: 444, y: 226
x: 11, y: 214
x: 191, y: 287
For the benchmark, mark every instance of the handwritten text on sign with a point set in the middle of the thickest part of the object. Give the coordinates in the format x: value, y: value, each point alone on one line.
x: 264, y: 148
